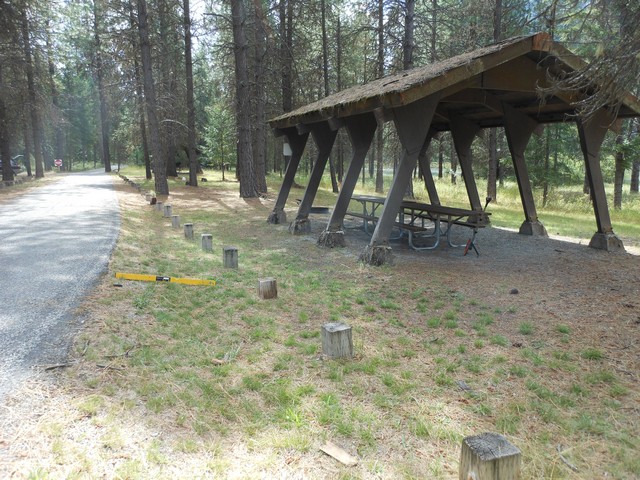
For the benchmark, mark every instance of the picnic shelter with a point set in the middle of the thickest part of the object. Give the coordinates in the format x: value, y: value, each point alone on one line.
x: 508, y: 84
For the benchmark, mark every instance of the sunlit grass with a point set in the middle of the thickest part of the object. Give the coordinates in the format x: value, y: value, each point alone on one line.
x: 220, y: 372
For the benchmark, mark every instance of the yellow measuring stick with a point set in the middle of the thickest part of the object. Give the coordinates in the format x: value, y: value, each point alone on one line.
x: 157, y: 278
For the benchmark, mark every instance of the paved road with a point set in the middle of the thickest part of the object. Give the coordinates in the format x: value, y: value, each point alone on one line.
x: 55, y: 241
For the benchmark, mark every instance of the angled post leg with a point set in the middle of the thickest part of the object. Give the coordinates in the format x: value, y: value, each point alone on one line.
x: 297, y: 142
x: 592, y: 133
x: 361, y: 129
x: 412, y: 123
x: 324, y: 138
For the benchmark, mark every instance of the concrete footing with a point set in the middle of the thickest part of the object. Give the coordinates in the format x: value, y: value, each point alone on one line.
x: 607, y: 241
x: 535, y: 229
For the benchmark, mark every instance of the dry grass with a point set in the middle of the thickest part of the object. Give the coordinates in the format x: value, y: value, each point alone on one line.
x: 186, y: 382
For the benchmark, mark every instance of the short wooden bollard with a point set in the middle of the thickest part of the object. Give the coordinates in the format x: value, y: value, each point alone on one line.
x: 207, y: 242
x: 337, y: 341
x: 159, y: 206
x: 267, y: 288
x: 167, y: 211
x: 188, y: 231
x: 489, y: 456
x: 175, y: 221
x: 230, y: 257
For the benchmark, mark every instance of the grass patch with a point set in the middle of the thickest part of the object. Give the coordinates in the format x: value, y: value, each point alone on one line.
x: 239, y: 386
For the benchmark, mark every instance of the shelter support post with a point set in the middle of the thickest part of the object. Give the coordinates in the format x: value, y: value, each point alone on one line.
x: 412, y: 123
x: 425, y: 167
x: 518, y: 129
x: 360, y: 129
x: 324, y: 138
x: 297, y: 143
x: 463, y: 132
x: 592, y: 133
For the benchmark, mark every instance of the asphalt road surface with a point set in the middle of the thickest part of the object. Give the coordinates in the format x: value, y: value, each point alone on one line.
x: 55, y: 242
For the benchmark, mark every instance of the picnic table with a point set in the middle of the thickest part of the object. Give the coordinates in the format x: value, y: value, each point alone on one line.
x: 423, y: 220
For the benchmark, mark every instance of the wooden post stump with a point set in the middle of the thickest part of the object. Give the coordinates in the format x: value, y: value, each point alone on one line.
x: 167, y: 211
x: 159, y: 206
x: 207, y: 242
x: 175, y: 221
x: 188, y: 231
x: 267, y: 288
x: 230, y: 257
x: 147, y: 197
x: 336, y: 340
x: 489, y: 456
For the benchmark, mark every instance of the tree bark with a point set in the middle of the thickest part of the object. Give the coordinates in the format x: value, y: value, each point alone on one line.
x: 159, y: 161
x: 5, y: 139
x: 139, y: 96
x: 259, y: 132
x: 407, y: 57
x: 492, y: 177
x: 325, y: 75
x: 27, y: 145
x: 104, y: 116
x: 635, y: 177
x: 55, y: 100
x: 619, y: 173
x: 191, y: 109
x: 167, y: 68
x: 36, y: 125
x: 379, y: 133
x: 243, y: 105
x: 409, y: 27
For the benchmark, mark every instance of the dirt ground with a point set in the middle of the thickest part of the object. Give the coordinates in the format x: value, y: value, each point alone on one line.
x: 593, y: 292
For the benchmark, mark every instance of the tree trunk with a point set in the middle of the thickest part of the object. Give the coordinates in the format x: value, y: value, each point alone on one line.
x: 243, y: 105
x: 159, y: 162
x: 379, y: 133
x: 453, y: 159
x: 635, y: 165
x: 139, y: 97
x: 167, y: 86
x: 104, y: 116
x: 57, y: 117
x: 440, y: 158
x: 286, y: 46
x: 191, y: 109
x: 408, y: 43
x: 492, y: 176
x: 547, y: 157
x: 340, y: 137
x: 259, y: 133
x: 27, y: 144
x: 325, y: 72
x: 635, y: 177
x: 619, y: 174
x: 36, y: 125
x: 5, y: 140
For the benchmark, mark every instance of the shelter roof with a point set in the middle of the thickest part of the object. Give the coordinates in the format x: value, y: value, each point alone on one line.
x: 475, y: 85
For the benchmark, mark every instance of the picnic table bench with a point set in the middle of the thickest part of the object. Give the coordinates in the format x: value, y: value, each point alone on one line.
x: 413, y: 216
